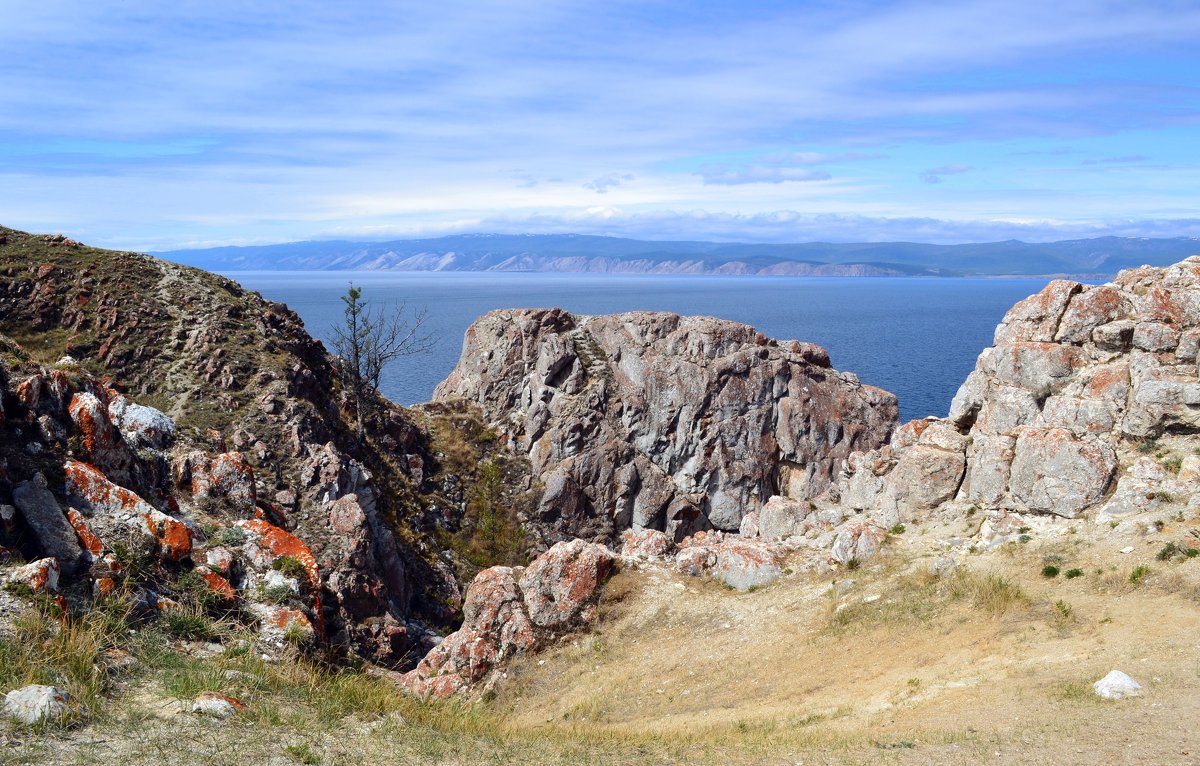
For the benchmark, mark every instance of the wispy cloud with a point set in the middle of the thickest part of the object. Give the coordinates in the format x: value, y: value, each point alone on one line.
x: 243, y: 123
x: 723, y: 175
x: 937, y: 175
x: 1124, y: 159
x: 602, y: 184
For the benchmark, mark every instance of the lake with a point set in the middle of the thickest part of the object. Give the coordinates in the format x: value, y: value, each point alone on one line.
x: 916, y: 337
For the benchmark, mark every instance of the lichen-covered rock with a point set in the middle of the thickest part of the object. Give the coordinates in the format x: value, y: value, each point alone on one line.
x: 661, y: 421
x: 109, y: 508
x: 227, y: 478
x: 746, y: 564
x: 645, y: 543
x: 506, y: 612
x: 781, y: 518
x: 49, y: 525
x: 217, y: 705
x: 856, y: 542
x: 39, y: 576
x: 36, y: 703
x: 561, y: 586
x: 142, y: 427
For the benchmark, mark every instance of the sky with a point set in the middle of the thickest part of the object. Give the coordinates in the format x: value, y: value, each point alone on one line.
x: 154, y: 126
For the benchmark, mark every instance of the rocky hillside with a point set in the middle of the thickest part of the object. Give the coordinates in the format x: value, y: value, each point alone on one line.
x: 162, y: 402
x: 650, y: 420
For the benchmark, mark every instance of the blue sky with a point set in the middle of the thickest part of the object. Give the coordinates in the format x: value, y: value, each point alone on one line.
x: 226, y: 123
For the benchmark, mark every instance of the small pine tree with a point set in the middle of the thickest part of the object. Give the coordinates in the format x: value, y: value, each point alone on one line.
x: 368, y: 341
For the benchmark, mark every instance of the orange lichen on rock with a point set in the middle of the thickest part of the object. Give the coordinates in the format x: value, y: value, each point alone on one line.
x: 276, y: 542
x: 105, y: 498
x: 87, y: 538
x: 92, y: 420
x: 218, y: 585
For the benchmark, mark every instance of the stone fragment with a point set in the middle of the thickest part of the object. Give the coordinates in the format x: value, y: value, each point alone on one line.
x: 746, y: 564
x: 217, y: 705
x: 39, y: 576
x: 1116, y: 685
x: 35, y: 704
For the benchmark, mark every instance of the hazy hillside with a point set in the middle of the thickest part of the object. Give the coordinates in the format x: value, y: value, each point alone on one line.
x: 583, y: 253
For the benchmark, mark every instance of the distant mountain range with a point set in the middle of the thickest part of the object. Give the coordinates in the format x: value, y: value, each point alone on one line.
x: 584, y: 253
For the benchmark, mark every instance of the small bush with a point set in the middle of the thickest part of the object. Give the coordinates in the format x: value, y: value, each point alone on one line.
x: 1138, y: 574
x: 1073, y: 573
x: 853, y: 564
x: 897, y: 530
x: 278, y: 594
x: 1049, y: 571
x: 290, y: 566
x: 231, y: 536
x: 1172, y: 463
x: 189, y: 624
x: 302, y: 754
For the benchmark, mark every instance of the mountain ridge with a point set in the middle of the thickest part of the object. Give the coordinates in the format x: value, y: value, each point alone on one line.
x: 582, y: 253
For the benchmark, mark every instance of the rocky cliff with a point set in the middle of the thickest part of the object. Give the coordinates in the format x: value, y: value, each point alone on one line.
x: 162, y: 423
x: 651, y: 420
x: 1086, y: 402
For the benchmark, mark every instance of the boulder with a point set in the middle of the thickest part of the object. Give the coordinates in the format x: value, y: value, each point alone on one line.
x: 645, y: 543
x: 561, y: 586
x: 35, y: 704
x: 110, y: 508
x: 1116, y: 685
x: 506, y: 612
x: 856, y: 542
x: 745, y: 564
x: 39, y: 576
x: 49, y: 525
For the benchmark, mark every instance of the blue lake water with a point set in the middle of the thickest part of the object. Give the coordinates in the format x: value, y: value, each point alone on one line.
x: 915, y: 337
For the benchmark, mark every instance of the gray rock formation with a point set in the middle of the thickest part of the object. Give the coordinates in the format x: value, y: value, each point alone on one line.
x: 49, y: 524
x: 1080, y: 380
x: 651, y: 420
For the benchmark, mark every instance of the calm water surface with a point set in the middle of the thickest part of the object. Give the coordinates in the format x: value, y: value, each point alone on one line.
x: 916, y: 337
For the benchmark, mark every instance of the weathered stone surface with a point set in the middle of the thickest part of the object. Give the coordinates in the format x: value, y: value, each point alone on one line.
x: 856, y: 542
x: 781, y: 518
x: 227, y: 477
x: 142, y: 427
x: 645, y: 543
x: 39, y: 576
x: 506, y: 612
x: 1078, y: 376
x: 108, y: 507
x: 656, y: 420
x: 561, y: 585
x: 44, y: 517
x: 1054, y: 471
x: 217, y: 705
x: 745, y: 564
x: 36, y: 703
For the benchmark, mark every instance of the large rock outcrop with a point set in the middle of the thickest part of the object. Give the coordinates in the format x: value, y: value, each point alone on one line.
x: 1063, y: 414
x: 652, y: 420
x: 509, y: 611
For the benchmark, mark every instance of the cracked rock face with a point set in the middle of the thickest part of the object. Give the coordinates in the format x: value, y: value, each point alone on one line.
x: 1079, y: 378
x: 652, y: 420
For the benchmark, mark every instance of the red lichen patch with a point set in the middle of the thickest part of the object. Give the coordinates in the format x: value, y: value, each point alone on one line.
x: 92, y: 421
x: 173, y: 535
x: 1160, y: 305
x: 218, y: 585
x: 909, y: 433
x: 29, y: 391
x: 286, y: 618
x: 1106, y: 381
x: 87, y: 538
x: 40, y: 576
x: 164, y: 603
x: 233, y: 702
x: 278, y: 542
x: 104, y: 587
